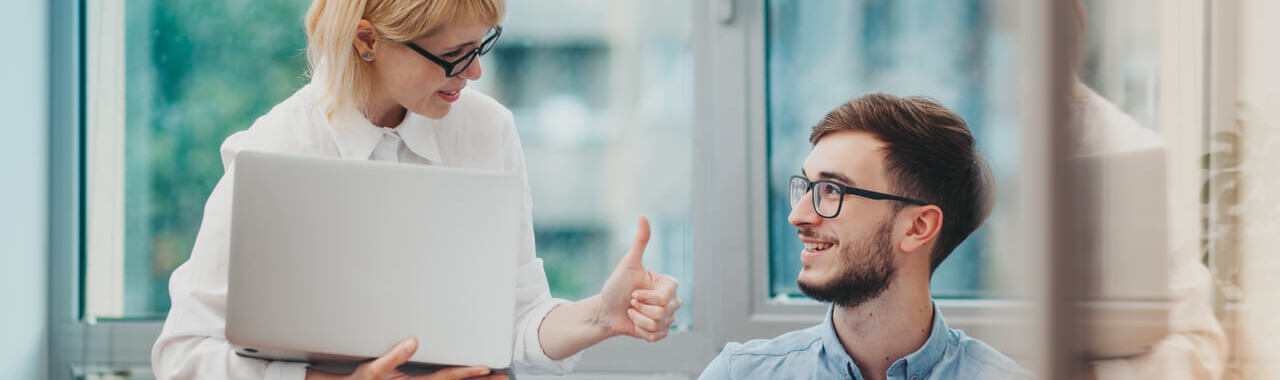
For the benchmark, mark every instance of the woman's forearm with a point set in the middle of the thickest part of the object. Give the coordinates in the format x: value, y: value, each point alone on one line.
x: 572, y: 327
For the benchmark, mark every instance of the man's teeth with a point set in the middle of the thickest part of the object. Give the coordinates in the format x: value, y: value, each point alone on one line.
x: 816, y: 246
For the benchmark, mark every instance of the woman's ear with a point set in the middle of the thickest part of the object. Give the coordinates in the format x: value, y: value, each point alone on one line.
x: 366, y: 40
x: 926, y: 223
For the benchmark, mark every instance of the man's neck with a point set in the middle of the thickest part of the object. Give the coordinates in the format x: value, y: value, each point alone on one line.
x: 884, y: 329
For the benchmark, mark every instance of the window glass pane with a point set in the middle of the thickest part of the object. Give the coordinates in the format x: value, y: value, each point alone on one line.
x: 602, y: 97
x: 601, y: 93
x: 194, y: 73
x: 1122, y: 55
x: 822, y: 53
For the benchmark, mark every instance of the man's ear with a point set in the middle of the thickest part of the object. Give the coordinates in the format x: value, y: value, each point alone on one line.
x: 926, y: 223
x: 366, y: 39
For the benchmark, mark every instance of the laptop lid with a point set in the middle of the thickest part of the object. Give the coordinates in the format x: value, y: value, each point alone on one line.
x: 338, y: 260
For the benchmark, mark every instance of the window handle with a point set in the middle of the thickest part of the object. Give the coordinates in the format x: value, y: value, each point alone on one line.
x: 723, y: 9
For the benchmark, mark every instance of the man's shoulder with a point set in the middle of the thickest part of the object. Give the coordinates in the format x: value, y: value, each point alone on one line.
x: 790, y: 343
x: 979, y: 358
x: 762, y: 358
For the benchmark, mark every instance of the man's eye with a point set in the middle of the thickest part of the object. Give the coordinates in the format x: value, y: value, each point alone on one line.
x: 830, y: 190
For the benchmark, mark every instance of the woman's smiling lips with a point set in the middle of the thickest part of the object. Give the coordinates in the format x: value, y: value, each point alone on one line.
x: 449, y: 96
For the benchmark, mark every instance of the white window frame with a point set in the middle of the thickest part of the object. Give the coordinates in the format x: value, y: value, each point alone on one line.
x: 105, y: 168
x: 76, y: 341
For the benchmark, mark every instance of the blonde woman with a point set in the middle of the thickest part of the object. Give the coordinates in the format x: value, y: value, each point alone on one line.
x: 387, y: 84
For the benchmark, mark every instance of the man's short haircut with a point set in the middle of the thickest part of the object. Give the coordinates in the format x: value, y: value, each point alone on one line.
x: 929, y: 156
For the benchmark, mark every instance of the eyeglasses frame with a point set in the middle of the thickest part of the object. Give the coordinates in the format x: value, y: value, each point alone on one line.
x: 470, y: 57
x: 844, y: 190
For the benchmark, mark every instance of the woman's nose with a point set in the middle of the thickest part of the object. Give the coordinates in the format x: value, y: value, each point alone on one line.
x: 474, y: 71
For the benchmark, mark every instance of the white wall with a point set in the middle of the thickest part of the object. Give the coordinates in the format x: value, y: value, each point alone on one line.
x: 24, y: 180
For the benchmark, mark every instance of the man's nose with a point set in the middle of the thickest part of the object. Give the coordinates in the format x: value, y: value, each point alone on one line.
x: 803, y: 214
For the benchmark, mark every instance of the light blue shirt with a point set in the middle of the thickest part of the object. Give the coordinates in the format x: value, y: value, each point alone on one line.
x: 816, y: 353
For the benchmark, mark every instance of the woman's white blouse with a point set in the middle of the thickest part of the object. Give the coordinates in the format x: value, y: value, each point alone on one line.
x: 477, y: 133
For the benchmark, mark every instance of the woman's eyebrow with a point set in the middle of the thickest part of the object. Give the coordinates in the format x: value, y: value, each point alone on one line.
x: 464, y: 44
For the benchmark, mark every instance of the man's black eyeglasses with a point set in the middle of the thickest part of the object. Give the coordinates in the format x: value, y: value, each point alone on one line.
x: 828, y: 196
x: 456, y: 67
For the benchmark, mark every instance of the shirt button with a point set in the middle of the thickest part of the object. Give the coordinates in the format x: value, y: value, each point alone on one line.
x: 388, y: 137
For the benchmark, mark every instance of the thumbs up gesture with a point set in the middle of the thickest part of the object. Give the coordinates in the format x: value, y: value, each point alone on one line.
x: 638, y: 302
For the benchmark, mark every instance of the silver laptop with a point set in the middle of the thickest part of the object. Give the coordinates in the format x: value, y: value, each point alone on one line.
x: 335, y: 261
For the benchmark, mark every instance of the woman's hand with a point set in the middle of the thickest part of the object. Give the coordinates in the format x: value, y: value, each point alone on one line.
x: 635, y: 301
x: 384, y: 368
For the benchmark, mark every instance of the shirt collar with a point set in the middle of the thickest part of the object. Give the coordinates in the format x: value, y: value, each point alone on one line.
x: 831, y: 342
x: 419, y: 134
x: 918, y: 363
x: 356, y: 137
x: 922, y: 361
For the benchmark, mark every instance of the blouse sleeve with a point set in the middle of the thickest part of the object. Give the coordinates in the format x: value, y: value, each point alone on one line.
x: 192, y: 343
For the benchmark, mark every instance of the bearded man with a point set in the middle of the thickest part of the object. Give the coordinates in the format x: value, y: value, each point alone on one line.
x: 891, y: 187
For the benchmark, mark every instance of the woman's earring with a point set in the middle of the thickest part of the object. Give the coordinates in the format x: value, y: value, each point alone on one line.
x: 368, y: 56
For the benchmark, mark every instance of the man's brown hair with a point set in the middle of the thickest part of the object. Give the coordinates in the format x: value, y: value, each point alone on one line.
x: 929, y: 156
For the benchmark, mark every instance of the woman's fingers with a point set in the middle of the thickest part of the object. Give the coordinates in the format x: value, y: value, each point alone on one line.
x: 665, y: 286
x: 651, y: 336
x: 642, y: 322
x: 648, y: 328
x: 663, y: 292
x: 671, y: 309
x: 633, y: 257
x: 398, y: 355
x: 455, y: 373
x: 651, y: 311
x: 652, y: 319
x: 653, y: 297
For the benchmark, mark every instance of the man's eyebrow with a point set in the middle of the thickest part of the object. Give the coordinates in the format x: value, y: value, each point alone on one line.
x: 836, y: 176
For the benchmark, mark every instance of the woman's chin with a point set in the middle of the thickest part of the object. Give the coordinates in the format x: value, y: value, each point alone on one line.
x: 435, y: 111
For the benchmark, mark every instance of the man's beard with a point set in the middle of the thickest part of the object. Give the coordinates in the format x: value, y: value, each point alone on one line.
x: 859, y: 281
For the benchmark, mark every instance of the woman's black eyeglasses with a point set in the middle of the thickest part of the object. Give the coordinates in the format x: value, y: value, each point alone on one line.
x: 456, y: 67
x: 828, y: 196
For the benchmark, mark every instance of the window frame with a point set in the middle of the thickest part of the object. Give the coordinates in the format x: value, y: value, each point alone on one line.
x: 73, y: 339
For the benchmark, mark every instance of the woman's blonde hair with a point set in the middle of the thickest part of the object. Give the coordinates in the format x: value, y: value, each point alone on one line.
x: 331, y: 30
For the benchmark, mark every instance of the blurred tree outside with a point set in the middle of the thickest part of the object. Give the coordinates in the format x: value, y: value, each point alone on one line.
x: 195, y: 73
